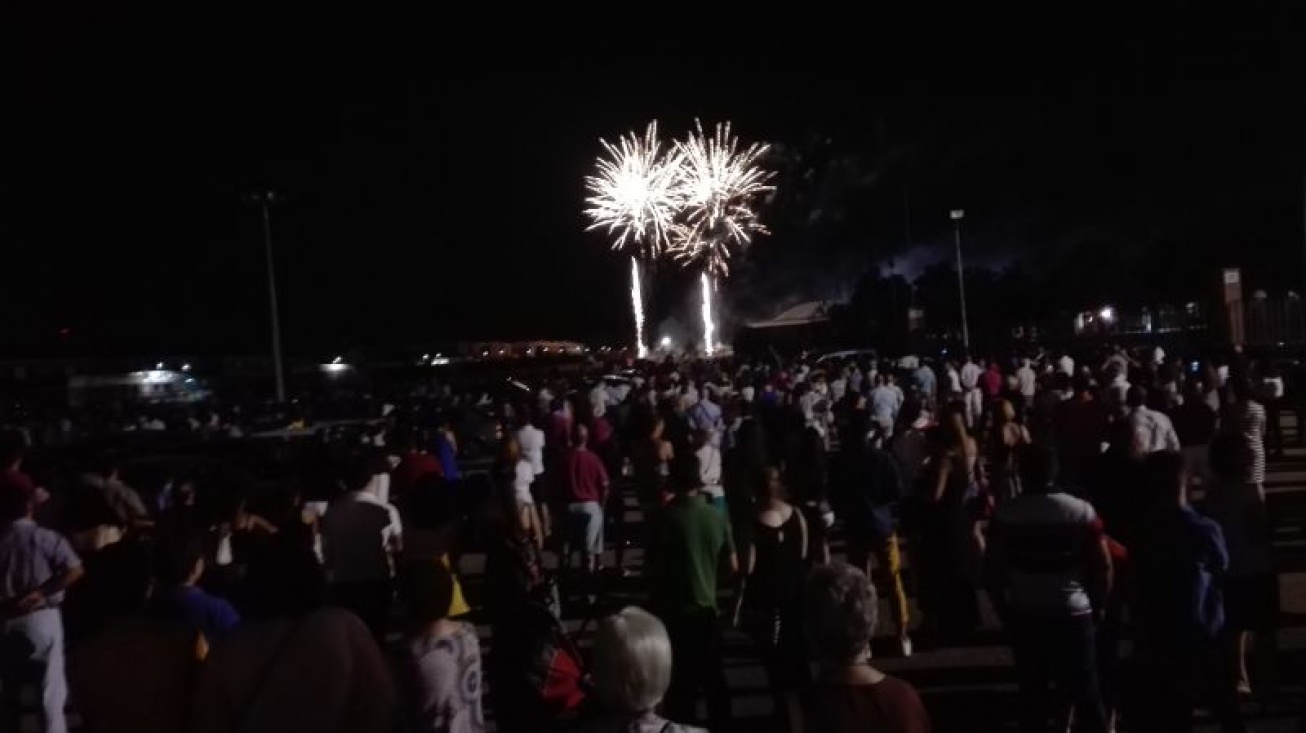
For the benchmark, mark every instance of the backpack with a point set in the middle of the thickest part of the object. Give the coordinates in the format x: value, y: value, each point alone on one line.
x: 556, y: 672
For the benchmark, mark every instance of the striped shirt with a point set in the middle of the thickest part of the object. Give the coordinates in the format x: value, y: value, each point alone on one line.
x: 1249, y: 416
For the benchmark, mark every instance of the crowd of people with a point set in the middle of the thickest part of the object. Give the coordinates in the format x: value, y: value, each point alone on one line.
x: 1061, y: 489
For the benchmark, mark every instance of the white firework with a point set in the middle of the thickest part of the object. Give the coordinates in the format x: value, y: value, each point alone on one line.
x: 717, y: 186
x: 634, y: 193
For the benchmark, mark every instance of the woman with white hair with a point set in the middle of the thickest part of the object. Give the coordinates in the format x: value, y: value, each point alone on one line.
x: 632, y: 671
x: 851, y: 696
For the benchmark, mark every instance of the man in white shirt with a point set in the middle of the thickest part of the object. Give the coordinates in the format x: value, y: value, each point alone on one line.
x: 1152, y: 430
x: 531, y: 441
x: 1066, y: 365
x: 709, y: 469
x: 617, y: 393
x: 1026, y: 380
x: 970, y: 376
x: 954, y: 379
x: 360, y: 534
x: 599, y: 398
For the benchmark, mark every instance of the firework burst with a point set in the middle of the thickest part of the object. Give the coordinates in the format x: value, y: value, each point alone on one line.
x: 634, y: 193
x: 717, y: 184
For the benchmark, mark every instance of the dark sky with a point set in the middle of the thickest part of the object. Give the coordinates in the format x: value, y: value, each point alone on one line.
x: 433, y: 176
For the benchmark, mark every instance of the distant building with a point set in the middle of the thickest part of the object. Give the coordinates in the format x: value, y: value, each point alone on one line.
x: 803, y: 326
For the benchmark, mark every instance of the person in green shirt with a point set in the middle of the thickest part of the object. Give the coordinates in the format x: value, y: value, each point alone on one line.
x: 691, y: 542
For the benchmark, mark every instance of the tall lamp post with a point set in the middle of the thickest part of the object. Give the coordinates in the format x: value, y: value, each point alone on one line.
x: 265, y: 199
x: 957, y: 215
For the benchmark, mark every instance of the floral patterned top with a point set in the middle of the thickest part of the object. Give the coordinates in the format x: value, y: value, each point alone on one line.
x: 444, y: 682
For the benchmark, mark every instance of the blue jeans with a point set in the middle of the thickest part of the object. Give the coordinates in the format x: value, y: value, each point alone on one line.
x: 31, y: 653
x: 587, y: 524
x: 1056, y: 667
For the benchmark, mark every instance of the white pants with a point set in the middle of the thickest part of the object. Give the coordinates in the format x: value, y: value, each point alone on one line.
x: 31, y: 653
x: 974, y: 406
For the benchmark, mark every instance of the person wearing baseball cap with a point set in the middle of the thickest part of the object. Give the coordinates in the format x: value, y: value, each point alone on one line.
x: 36, y: 566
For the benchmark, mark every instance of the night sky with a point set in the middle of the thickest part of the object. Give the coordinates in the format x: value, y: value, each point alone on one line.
x: 433, y: 178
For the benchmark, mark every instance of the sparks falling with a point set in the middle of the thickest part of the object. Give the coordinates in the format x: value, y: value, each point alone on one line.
x: 637, y: 306
x: 718, y: 184
x: 634, y: 194
x: 709, y: 325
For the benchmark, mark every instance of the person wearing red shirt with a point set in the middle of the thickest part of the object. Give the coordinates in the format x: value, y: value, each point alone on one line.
x: 992, y: 380
x: 583, y: 487
x: 415, y: 465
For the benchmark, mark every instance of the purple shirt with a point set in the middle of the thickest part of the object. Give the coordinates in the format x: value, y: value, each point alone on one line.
x: 30, y: 556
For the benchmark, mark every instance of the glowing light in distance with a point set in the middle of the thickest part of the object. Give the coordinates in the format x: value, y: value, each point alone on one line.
x: 154, y: 376
x: 1108, y: 314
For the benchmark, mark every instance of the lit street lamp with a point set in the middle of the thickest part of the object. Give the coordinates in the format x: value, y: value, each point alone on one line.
x: 957, y: 215
x: 265, y: 199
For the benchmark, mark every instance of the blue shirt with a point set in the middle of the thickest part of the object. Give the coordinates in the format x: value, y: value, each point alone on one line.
x: 1179, y: 559
x: 706, y: 415
x: 925, y: 380
x: 197, y: 610
x: 448, y: 457
x: 30, y: 556
x: 885, y: 401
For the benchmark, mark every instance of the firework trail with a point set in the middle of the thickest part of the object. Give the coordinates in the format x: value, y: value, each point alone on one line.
x: 718, y: 184
x: 634, y: 198
x: 709, y: 325
x: 637, y: 306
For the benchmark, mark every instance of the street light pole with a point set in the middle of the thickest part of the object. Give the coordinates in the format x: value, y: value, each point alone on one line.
x: 266, y: 199
x: 957, y: 215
